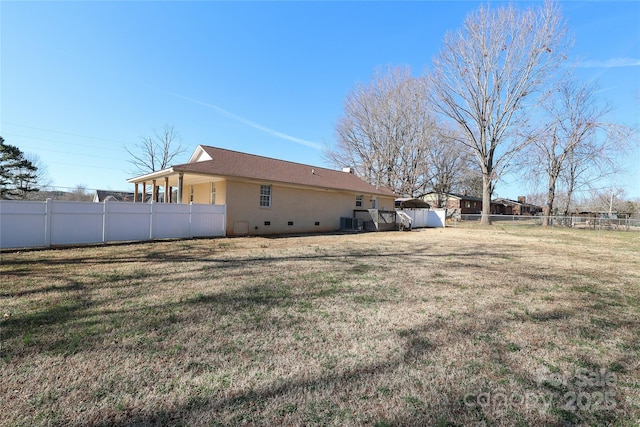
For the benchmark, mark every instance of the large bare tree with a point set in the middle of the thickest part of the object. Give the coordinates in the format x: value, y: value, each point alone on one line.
x: 576, y: 142
x: 487, y: 76
x: 384, y: 131
x: 154, y: 153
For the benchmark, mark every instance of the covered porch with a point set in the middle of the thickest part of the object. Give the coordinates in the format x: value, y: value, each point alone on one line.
x: 171, y: 186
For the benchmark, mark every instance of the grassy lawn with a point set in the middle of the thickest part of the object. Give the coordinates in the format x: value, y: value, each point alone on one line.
x: 456, y: 326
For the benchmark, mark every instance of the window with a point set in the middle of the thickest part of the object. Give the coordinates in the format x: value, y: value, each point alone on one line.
x: 468, y: 204
x: 267, y: 223
x: 290, y: 223
x: 359, y: 201
x: 265, y: 196
x: 317, y: 223
x: 213, y: 193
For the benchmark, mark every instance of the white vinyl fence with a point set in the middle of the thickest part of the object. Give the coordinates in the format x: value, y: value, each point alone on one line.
x: 426, y: 217
x: 25, y: 224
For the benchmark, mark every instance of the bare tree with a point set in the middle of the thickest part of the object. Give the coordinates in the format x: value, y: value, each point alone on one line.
x: 450, y: 167
x: 631, y: 207
x: 608, y: 200
x: 471, y: 181
x: 574, y: 139
x: 42, y: 177
x: 486, y: 77
x: 384, y: 131
x: 589, y: 164
x: 156, y: 152
x: 79, y: 194
x: 537, y: 198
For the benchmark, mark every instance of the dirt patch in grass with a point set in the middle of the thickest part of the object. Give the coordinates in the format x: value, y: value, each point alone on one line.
x: 501, y: 326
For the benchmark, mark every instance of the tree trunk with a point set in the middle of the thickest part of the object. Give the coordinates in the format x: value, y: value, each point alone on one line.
x: 571, y: 182
x: 486, y: 200
x: 567, y: 203
x: 548, y: 208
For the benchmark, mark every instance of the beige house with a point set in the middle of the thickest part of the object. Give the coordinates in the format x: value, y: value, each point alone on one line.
x: 264, y: 195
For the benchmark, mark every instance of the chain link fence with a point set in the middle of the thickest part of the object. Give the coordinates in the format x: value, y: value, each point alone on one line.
x: 578, y: 222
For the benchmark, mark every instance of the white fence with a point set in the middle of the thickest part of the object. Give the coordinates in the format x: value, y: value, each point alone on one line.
x: 426, y: 217
x: 26, y: 224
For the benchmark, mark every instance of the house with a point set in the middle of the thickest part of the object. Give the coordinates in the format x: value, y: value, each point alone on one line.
x: 122, y: 196
x: 461, y: 203
x: 265, y: 195
x: 112, y: 196
x: 512, y: 207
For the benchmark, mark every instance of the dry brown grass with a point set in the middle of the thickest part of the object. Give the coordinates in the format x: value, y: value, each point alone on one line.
x: 431, y: 327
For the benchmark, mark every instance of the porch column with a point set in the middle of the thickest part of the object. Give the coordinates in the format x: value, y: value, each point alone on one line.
x: 166, y: 189
x: 154, y: 195
x: 143, y: 198
x: 180, y: 181
x: 135, y: 194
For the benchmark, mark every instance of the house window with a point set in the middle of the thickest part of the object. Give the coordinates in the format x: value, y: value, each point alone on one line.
x: 290, y: 223
x: 191, y: 193
x: 359, y: 201
x: 213, y: 193
x: 468, y: 204
x: 265, y: 196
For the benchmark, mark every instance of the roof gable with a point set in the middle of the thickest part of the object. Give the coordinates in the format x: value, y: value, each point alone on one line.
x: 229, y: 163
x: 199, y: 155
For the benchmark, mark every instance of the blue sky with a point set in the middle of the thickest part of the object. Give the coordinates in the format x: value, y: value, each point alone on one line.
x: 81, y: 80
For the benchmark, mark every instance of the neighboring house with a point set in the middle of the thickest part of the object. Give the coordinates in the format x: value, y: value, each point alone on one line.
x: 461, y: 203
x: 112, y: 196
x: 513, y: 207
x: 264, y: 195
x: 122, y: 196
